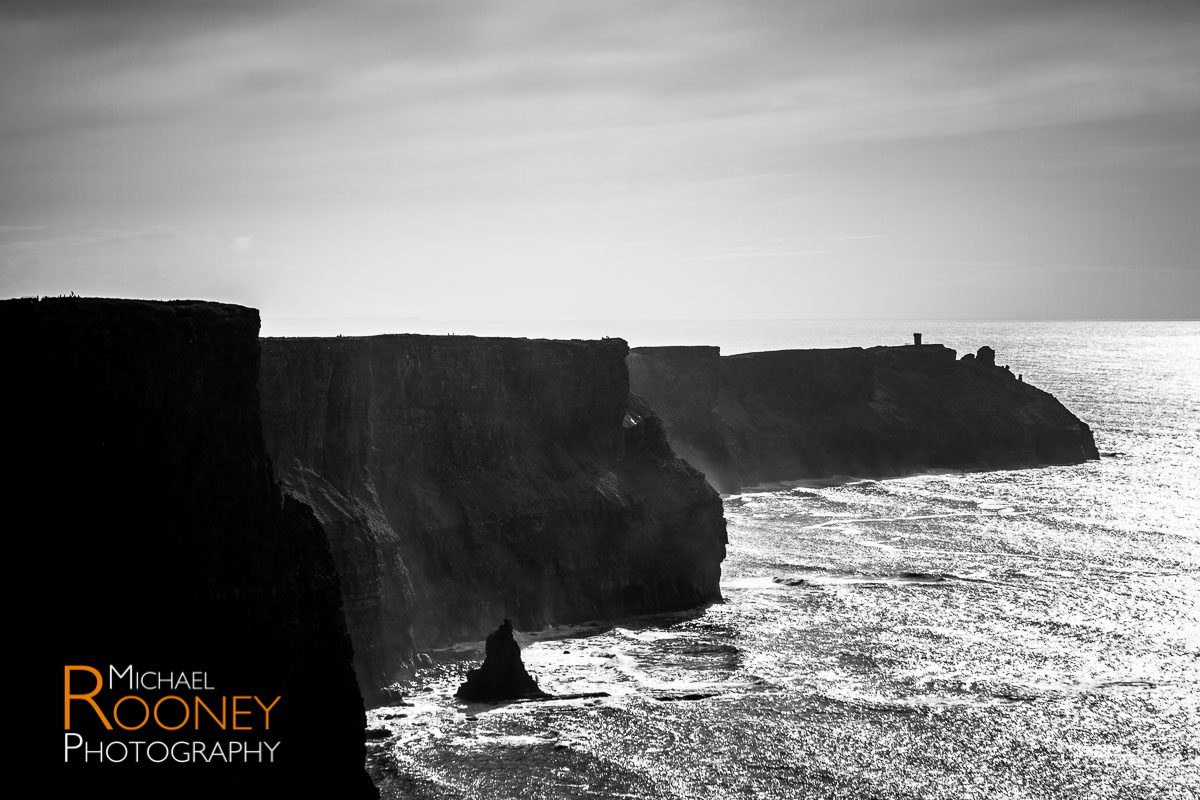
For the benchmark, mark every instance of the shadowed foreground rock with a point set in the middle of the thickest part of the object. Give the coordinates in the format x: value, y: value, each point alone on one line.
x: 169, y: 549
x: 503, y: 675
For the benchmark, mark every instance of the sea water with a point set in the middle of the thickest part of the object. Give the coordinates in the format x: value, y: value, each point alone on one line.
x: 1015, y: 634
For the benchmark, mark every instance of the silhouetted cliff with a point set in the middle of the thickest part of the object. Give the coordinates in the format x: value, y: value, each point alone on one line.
x: 464, y: 480
x: 794, y: 414
x: 165, y: 544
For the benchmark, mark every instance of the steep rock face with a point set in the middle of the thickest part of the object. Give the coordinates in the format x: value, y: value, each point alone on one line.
x: 167, y: 541
x: 687, y: 381
x: 794, y: 414
x: 464, y: 480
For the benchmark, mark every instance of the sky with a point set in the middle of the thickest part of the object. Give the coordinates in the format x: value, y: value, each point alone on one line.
x: 658, y: 159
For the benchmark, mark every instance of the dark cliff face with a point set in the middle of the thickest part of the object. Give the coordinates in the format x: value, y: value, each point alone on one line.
x: 169, y: 544
x: 686, y: 380
x: 794, y: 414
x: 464, y: 480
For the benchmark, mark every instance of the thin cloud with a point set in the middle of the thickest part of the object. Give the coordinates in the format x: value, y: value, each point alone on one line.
x: 88, y: 238
x: 740, y: 254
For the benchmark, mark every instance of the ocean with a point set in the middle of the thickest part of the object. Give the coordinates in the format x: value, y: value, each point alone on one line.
x: 1015, y: 634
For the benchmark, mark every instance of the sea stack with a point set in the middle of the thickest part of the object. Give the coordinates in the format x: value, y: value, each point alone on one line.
x: 502, y: 676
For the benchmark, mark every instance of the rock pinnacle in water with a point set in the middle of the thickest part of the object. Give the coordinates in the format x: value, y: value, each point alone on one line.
x: 503, y: 675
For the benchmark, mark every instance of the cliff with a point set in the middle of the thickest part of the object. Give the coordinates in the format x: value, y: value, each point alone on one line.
x: 167, y: 545
x: 464, y: 480
x: 884, y: 411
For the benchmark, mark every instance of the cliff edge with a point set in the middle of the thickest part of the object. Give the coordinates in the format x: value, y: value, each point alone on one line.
x: 464, y: 480
x: 167, y: 546
x: 883, y: 411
